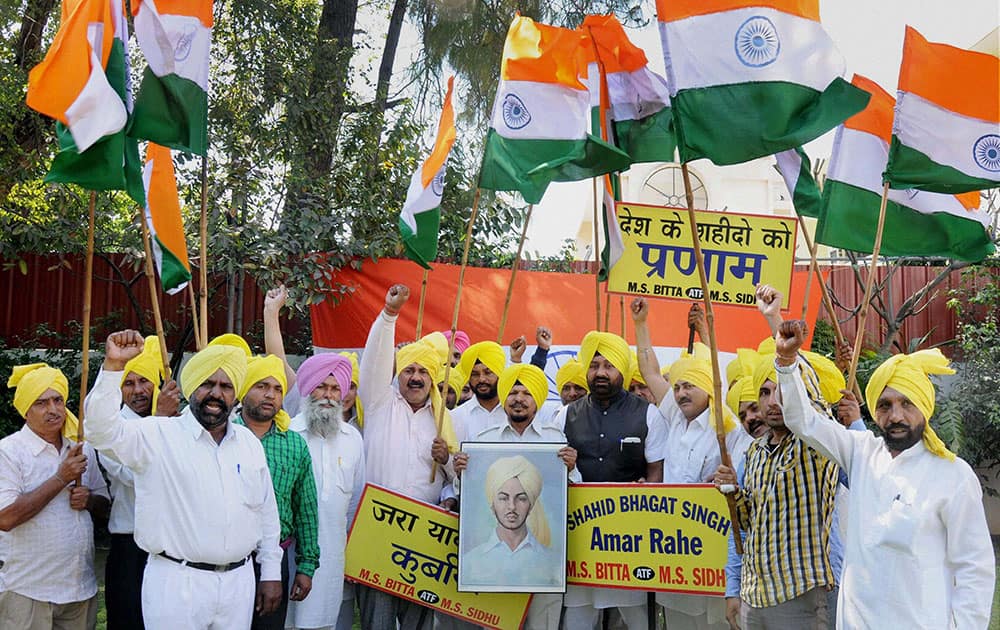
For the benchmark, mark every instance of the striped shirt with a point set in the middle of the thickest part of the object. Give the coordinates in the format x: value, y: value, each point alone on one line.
x: 786, y: 507
x: 295, y: 492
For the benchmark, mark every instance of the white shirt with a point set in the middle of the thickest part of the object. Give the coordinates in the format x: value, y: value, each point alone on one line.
x: 918, y: 552
x: 532, y: 433
x: 195, y: 499
x: 122, y: 520
x: 471, y: 418
x: 398, y: 440
x: 338, y: 464
x: 493, y: 562
x: 50, y: 557
x: 692, y: 448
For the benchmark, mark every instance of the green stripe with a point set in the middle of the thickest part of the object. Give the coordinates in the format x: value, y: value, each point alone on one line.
x: 850, y: 218
x: 529, y: 165
x: 649, y: 139
x: 171, y: 111
x: 909, y: 168
x: 806, y: 197
x: 421, y: 246
x: 173, y: 273
x: 730, y: 124
x: 606, y: 262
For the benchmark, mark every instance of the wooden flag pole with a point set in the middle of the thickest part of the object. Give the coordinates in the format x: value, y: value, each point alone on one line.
x: 720, y: 431
x: 597, y: 261
x: 203, y: 267
x: 420, y: 311
x: 198, y: 343
x: 813, y: 267
x: 869, y: 285
x: 607, y: 311
x: 88, y: 283
x: 513, y: 274
x: 621, y: 304
x: 154, y: 297
x: 454, y: 317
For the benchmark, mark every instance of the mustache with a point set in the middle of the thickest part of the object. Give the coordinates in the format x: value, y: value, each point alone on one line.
x: 896, y: 425
x: 415, y: 383
x: 682, y: 400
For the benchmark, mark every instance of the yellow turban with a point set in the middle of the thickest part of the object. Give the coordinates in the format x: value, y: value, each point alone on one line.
x: 741, y: 391
x: 456, y: 379
x: 531, y: 480
x: 634, y: 373
x: 698, y: 351
x: 35, y: 379
x: 743, y: 365
x: 353, y: 356
x: 425, y: 355
x: 440, y: 343
x: 764, y: 371
x: 608, y: 345
x: 831, y: 379
x: 489, y: 353
x: 259, y: 368
x: 698, y: 372
x: 207, y: 362
x: 528, y: 375
x: 907, y: 374
x: 149, y: 365
x: 571, y: 371
x: 767, y: 346
x: 229, y: 339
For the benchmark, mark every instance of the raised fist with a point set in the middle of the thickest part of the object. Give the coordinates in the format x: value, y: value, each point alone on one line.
x: 395, y: 297
x: 121, y: 347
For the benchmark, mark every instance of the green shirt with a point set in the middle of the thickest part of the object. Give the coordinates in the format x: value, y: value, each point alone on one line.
x: 295, y: 492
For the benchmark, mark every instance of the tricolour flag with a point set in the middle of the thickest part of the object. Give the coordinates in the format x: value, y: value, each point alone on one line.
x: 750, y: 78
x: 946, y: 133
x: 636, y: 99
x: 420, y: 219
x: 538, y: 132
x: 83, y: 84
x: 916, y: 223
x: 796, y: 170
x: 163, y: 217
x: 172, y: 106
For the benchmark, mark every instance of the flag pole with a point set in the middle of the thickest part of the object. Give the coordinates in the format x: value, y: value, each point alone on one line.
x: 869, y: 285
x: 88, y: 282
x: 720, y: 431
x: 513, y: 274
x: 454, y: 316
x: 154, y: 296
x: 597, y: 261
x: 198, y: 343
x: 203, y: 267
x: 621, y: 304
x: 607, y: 311
x: 813, y: 267
x: 420, y: 311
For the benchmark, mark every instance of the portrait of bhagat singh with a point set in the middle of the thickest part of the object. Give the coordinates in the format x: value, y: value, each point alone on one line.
x: 517, y: 549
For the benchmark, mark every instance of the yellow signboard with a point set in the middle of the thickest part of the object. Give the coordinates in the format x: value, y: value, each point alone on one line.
x: 740, y: 250
x: 648, y: 537
x: 410, y: 549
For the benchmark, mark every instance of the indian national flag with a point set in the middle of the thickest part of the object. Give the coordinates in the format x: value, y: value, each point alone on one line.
x: 635, y: 99
x: 420, y: 219
x: 750, y: 78
x: 538, y: 132
x: 916, y: 223
x: 163, y: 217
x: 172, y: 106
x: 946, y: 134
x: 83, y: 84
x: 796, y: 170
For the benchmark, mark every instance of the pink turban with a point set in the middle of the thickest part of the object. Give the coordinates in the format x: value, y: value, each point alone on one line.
x: 316, y: 368
x: 462, y: 341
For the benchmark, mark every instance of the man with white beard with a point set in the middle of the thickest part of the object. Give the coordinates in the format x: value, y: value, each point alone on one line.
x: 338, y: 463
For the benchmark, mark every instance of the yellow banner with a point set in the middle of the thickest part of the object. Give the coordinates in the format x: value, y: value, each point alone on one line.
x: 648, y: 537
x: 740, y: 250
x: 410, y: 549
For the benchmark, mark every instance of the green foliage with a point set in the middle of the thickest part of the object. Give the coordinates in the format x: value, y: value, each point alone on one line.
x: 824, y: 341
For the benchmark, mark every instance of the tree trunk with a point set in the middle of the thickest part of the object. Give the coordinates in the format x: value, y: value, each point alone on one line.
x: 385, y: 68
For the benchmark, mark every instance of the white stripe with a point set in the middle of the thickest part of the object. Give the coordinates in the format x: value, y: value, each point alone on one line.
x: 944, y: 136
x: 174, y: 44
x: 635, y: 95
x: 97, y: 111
x: 147, y: 176
x: 550, y: 112
x: 701, y: 51
x: 616, y: 246
x: 790, y: 167
x: 419, y: 199
x: 859, y: 158
x: 121, y: 34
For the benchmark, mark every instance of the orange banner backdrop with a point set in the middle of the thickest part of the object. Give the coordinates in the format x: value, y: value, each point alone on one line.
x: 562, y: 301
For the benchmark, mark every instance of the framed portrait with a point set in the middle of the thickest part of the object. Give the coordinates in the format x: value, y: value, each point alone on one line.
x: 512, y: 522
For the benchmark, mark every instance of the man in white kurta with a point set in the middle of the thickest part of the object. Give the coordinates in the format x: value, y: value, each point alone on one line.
x: 918, y: 552
x: 204, y: 501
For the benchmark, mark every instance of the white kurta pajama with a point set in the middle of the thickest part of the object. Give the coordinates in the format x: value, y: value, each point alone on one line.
x: 338, y: 464
x: 918, y: 552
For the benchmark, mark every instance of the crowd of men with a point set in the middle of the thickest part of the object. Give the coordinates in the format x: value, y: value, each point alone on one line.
x: 233, y: 511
